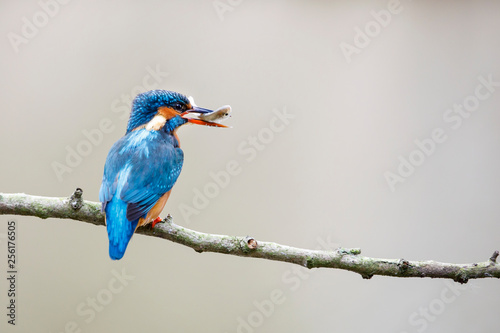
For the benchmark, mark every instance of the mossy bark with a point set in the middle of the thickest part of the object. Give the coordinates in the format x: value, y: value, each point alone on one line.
x: 76, y: 208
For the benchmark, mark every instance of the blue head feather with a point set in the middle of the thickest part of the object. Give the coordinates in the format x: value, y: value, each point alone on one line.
x: 145, y: 106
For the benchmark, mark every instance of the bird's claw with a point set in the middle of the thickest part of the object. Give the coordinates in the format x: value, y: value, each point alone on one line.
x: 158, y: 219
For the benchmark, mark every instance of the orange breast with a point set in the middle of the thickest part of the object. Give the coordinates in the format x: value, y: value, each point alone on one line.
x: 155, y: 211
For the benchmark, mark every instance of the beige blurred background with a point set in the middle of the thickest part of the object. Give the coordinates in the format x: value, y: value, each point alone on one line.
x: 317, y: 178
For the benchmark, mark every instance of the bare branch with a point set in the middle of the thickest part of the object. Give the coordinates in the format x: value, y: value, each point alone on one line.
x: 76, y: 208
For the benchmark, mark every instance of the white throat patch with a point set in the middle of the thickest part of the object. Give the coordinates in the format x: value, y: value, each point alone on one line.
x: 156, y: 123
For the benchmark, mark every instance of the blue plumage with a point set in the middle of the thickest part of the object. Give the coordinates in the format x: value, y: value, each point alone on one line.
x: 140, y: 168
x: 143, y: 166
x: 146, y: 105
x: 120, y: 228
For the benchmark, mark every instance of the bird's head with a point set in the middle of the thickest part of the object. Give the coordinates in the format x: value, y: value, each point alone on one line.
x: 158, y: 108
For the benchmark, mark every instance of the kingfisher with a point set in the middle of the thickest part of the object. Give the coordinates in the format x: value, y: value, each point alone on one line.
x: 142, y: 167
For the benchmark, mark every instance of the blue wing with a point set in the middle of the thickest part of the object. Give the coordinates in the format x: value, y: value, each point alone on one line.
x: 140, y: 168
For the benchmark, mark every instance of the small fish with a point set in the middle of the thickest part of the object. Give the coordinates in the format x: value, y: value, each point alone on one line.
x: 220, y: 114
x: 213, y: 118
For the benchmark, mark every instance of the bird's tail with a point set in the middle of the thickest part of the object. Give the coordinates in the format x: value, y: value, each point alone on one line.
x: 120, y: 230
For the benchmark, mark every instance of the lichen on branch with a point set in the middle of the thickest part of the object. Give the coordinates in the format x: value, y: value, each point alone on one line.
x: 76, y: 208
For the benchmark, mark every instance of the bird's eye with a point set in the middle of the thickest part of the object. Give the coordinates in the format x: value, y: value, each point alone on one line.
x: 179, y: 106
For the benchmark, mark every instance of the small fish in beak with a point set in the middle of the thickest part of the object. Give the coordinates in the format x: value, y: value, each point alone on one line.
x: 201, y: 116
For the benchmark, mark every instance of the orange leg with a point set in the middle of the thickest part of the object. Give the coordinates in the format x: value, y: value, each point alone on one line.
x: 158, y: 219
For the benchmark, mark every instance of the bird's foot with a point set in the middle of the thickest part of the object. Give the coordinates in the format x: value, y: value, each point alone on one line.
x: 158, y: 219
